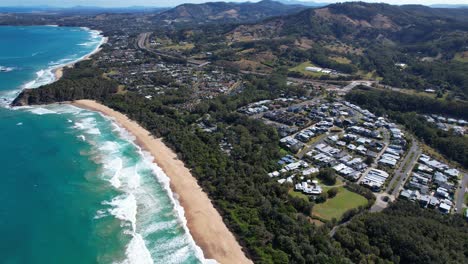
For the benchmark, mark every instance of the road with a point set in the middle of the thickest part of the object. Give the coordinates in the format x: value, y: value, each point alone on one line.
x: 308, y: 147
x: 142, y: 40
x: 142, y: 43
x: 353, y: 84
x: 460, y: 198
x: 404, y: 169
x: 386, y: 140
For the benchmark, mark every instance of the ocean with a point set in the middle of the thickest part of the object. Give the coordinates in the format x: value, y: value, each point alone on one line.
x: 74, y: 187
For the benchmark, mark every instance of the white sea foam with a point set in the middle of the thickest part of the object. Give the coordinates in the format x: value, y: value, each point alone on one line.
x: 93, y: 131
x: 131, y: 177
x: 41, y: 111
x: 47, y: 76
x: 177, y: 255
x: 159, y: 226
x: 164, y: 180
x: 88, y: 126
x: 65, y: 109
x: 43, y: 77
x: 64, y: 61
x: 146, y: 203
x: 100, y: 214
x: 116, y: 165
x: 126, y: 178
x: 109, y: 146
x: 89, y: 43
x: 124, y: 207
x: 19, y: 124
x: 136, y: 251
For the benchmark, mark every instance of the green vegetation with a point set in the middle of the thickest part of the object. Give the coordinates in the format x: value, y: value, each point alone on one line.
x: 334, y: 208
x: 405, y: 233
x: 272, y: 225
x: 302, y: 69
x: 342, y: 60
x: 404, y: 109
x: 85, y: 83
x: 298, y: 195
x: 461, y: 57
x: 271, y: 221
x: 179, y: 47
x: 327, y: 176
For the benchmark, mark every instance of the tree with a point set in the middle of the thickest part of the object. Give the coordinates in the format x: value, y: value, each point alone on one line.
x: 369, y: 160
x: 327, y: 175
x: 321, y: 198
x: 332, y: 192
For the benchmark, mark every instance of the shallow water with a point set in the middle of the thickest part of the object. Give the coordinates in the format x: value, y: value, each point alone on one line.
x: 74, y: 187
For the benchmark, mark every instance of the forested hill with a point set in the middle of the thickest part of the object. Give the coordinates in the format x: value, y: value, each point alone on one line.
x: 228, y: 12
x: 430, y: 43
x: 405, y: 233
x: 364, y: 21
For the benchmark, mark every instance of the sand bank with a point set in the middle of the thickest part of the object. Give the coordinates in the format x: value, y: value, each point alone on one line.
x: 204, y: 222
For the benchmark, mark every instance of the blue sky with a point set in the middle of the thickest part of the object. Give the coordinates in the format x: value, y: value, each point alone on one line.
x: 124, y: 3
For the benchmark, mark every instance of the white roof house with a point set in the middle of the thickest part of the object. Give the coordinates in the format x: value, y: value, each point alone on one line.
x: 310, y: 171
x: 313, y: 69
x: 274, y: 174
x: 452, y: 172
x: 444, y: 208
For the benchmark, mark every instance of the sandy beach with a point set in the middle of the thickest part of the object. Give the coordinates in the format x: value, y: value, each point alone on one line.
x: 204, y: 222
x: 58, y: 72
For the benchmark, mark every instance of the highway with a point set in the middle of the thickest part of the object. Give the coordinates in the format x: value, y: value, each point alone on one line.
x: 142, y: 43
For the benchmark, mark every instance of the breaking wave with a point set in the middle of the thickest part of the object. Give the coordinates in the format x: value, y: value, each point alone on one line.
x: 148, y: 210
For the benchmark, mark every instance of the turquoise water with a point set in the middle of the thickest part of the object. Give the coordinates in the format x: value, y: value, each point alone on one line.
x: 74, y: 187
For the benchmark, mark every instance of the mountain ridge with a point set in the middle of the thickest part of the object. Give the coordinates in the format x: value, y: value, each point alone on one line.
x: 355, y: 20
x: 227, y: 11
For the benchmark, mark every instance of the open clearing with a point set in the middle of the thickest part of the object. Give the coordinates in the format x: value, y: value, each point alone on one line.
x: 301, y: 68
x: 461, y: 56
x: 338, y: 205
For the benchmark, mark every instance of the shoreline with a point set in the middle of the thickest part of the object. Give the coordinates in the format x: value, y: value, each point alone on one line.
x: 58, y: 71
x: 204, y: 222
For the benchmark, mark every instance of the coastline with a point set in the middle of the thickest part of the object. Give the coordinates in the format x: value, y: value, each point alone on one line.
x: 203, y: 221
x: 58, y: 71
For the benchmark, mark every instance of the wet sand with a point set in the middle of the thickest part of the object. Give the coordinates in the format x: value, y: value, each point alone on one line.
x: 204, y: 222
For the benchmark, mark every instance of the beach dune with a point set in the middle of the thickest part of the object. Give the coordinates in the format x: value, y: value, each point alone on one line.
x: 204, y: 222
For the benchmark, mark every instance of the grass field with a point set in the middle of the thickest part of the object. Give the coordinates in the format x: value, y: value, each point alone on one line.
x: 341, y: 60
x: 338, y: 205
x: 301, y: 68
x: 461, y: 56
x: 179, y: 47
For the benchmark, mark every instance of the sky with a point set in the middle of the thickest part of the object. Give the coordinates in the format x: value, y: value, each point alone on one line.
x: 125, y: 3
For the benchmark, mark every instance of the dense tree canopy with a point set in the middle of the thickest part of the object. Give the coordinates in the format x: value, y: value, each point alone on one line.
x: 405, y: 233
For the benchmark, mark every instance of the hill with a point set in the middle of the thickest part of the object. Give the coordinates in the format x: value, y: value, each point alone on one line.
x: 360, y: 20
x: 228, y: 12
x: 370, y: 40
